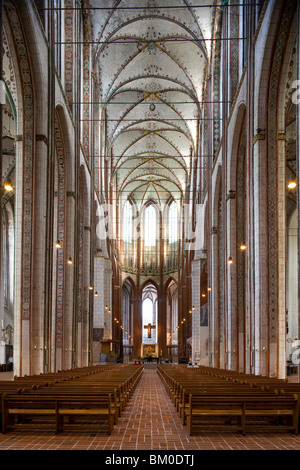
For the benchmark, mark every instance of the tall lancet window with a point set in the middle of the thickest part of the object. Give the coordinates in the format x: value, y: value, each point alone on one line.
x: 150, y: 249
x: 149, y: 314
x: 171, y: 253
x: 150, y: 226
x: 127, y: 217
x: 173, y: 229
x: 128, y: 235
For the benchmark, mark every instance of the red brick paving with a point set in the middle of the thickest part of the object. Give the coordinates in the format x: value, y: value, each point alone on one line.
x: 150, y: 422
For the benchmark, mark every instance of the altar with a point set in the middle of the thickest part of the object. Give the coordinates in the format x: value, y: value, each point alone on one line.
x: 149, y: 349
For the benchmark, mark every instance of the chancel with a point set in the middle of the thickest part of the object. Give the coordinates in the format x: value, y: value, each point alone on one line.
x: 149, y: 187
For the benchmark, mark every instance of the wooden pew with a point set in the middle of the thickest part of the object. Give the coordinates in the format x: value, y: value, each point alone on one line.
x: 242, y: 408
x: 265, y: 395
x: 38, y: 396
x: 26, y: 412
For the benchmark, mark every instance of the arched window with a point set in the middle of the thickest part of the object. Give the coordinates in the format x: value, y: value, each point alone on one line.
x: 127, y: 227
x: 150, y: 226
x: 147, y: 311
x: 149, y: 314
x: 172, y: 223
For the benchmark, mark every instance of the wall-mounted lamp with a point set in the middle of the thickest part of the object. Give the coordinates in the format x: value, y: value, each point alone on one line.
x: 70, y: 261
x: 58, y: 244
x: 230, y: 260
x: 292, y: 185
x: 8, y: 186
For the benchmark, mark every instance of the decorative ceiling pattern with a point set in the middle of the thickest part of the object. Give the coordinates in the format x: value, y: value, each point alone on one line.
x: 152, y: 58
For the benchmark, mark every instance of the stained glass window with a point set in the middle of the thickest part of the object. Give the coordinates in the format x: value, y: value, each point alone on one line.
x: 173, y: 223
x: 150, y: 226
x: 127, y: 217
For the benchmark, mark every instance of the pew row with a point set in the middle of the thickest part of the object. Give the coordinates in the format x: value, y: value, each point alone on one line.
x: 217, y: 400
x: 68, y: 400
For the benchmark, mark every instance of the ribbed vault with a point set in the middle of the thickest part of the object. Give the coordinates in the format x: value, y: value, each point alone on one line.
x: 151, y: 58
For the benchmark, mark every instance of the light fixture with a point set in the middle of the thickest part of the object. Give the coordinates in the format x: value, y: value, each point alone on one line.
x: 96, y: 294
x: 8, y: 186
x: 91, y: 288
x: 70, y: 261
x: 230, y: 260
x: 209, y: 289
x: 243, y: 247
x: 203, y: 295
x: 292, y: 185
x: 58, y: 244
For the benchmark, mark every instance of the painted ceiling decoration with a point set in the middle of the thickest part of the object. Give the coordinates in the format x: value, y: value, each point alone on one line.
x: 151, y: 58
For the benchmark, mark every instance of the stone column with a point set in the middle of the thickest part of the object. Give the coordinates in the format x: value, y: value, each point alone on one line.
x: 260, y: 251
x: 64, y: 325
x: 231, y: 327
x: 103, y: 319
x: 298, y: 164
x: 2, y: 346
x: 196, y: 301
x: 84, y: 350
x: 161, y: 323
x: 137, y: 326
x: 214, y: 314
x: 281, y: 237
x: 41, y: 250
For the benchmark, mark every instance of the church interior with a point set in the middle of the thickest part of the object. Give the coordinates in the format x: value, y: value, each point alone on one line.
x: 150, y: 198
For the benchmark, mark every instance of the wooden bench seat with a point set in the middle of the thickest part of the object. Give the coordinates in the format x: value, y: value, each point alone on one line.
x: 243, y: 408
x: 219, y: 397
x: 90, y: 396
x: 116, y: 404
x: 183, y: 404
x: 28, y: 412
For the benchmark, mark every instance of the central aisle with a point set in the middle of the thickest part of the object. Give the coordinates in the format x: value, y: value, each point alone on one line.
x: 150, y: 420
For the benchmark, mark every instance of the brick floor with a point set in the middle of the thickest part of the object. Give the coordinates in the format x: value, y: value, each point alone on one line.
x: 150, y: 422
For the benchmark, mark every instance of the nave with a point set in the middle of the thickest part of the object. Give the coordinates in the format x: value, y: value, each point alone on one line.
x: 149, y: 422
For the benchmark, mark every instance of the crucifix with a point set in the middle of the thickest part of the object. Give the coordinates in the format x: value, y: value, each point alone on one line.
x: 149, y: 327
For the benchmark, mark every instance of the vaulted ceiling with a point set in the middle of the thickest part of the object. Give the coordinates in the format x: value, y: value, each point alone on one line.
x: 152, y: 57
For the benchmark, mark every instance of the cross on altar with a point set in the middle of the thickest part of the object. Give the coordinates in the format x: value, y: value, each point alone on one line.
x: 149, y: 327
